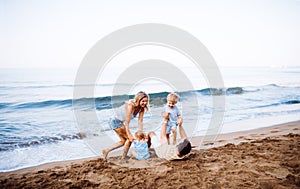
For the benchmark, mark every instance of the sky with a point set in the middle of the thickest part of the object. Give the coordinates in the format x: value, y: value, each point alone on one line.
x: 59, y: 33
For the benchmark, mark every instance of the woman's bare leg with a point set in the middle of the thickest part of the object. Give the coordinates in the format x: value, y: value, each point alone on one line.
x: 126, y: 149
x: 122, y: 135
x: 113, y: 147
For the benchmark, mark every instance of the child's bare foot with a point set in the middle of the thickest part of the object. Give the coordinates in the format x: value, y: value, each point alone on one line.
x: 104, y: 153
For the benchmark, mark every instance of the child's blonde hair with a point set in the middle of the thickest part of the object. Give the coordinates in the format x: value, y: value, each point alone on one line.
x: 140, y: 135
x: 173, y: 97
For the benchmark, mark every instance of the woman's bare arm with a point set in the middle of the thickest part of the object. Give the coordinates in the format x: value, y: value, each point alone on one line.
x: 129, y: 110
x: 140, y: 120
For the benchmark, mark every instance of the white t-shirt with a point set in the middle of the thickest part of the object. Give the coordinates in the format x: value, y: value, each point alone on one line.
x: 168, y: 152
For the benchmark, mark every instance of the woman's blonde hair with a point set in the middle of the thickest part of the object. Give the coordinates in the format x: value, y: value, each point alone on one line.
x: 138, y: 97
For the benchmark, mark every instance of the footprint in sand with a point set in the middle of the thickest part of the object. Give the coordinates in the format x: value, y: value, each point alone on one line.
x: 240, y: 138
x: 275, y: 131
x: 208, y: 144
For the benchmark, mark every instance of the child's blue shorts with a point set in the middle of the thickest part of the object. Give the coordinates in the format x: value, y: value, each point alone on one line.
x: 171, y: 127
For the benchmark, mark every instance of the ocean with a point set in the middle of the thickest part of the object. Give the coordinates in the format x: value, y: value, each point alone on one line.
x: 38, y: 124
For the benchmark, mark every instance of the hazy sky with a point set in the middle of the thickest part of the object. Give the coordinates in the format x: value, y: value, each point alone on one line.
x: 58, y: 33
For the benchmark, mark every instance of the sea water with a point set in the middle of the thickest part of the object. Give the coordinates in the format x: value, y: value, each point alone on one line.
x: 38, y: 125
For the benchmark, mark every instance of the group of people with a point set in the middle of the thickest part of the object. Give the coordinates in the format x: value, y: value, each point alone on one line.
x: 172, y: 119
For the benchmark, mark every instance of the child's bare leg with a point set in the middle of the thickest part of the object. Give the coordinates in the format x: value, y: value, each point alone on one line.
x: 174, y: 132
x: 168, y: 138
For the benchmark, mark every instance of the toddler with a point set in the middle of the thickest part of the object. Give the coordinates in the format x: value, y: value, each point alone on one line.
x: 172, y: 118
x: 140, y: 146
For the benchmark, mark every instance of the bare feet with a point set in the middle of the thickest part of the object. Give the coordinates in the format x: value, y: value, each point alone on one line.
x: 104, y: 153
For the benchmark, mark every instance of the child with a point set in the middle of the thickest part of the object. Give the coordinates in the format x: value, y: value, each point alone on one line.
x: 172, y: 118
x: 140, y: 146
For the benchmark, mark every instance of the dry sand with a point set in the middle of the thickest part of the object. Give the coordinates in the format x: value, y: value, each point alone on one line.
x: 262, y: 158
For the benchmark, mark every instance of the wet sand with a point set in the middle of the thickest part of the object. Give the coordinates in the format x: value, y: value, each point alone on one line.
x: 262, y: 158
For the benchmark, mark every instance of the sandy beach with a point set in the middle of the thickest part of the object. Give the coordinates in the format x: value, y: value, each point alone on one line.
x: 263, y: 158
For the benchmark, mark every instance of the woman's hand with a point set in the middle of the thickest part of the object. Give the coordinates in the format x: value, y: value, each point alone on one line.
x: 130, y: 137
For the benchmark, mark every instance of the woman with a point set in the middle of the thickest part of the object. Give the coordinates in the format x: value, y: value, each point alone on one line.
x: 121, y: 119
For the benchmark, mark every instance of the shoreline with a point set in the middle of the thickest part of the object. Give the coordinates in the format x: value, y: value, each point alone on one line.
x: 261, y: 158
x: 198, y: 141
x: 220, y: 140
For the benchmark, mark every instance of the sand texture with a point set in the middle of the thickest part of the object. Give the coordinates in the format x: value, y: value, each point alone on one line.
x: 270, y: 161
